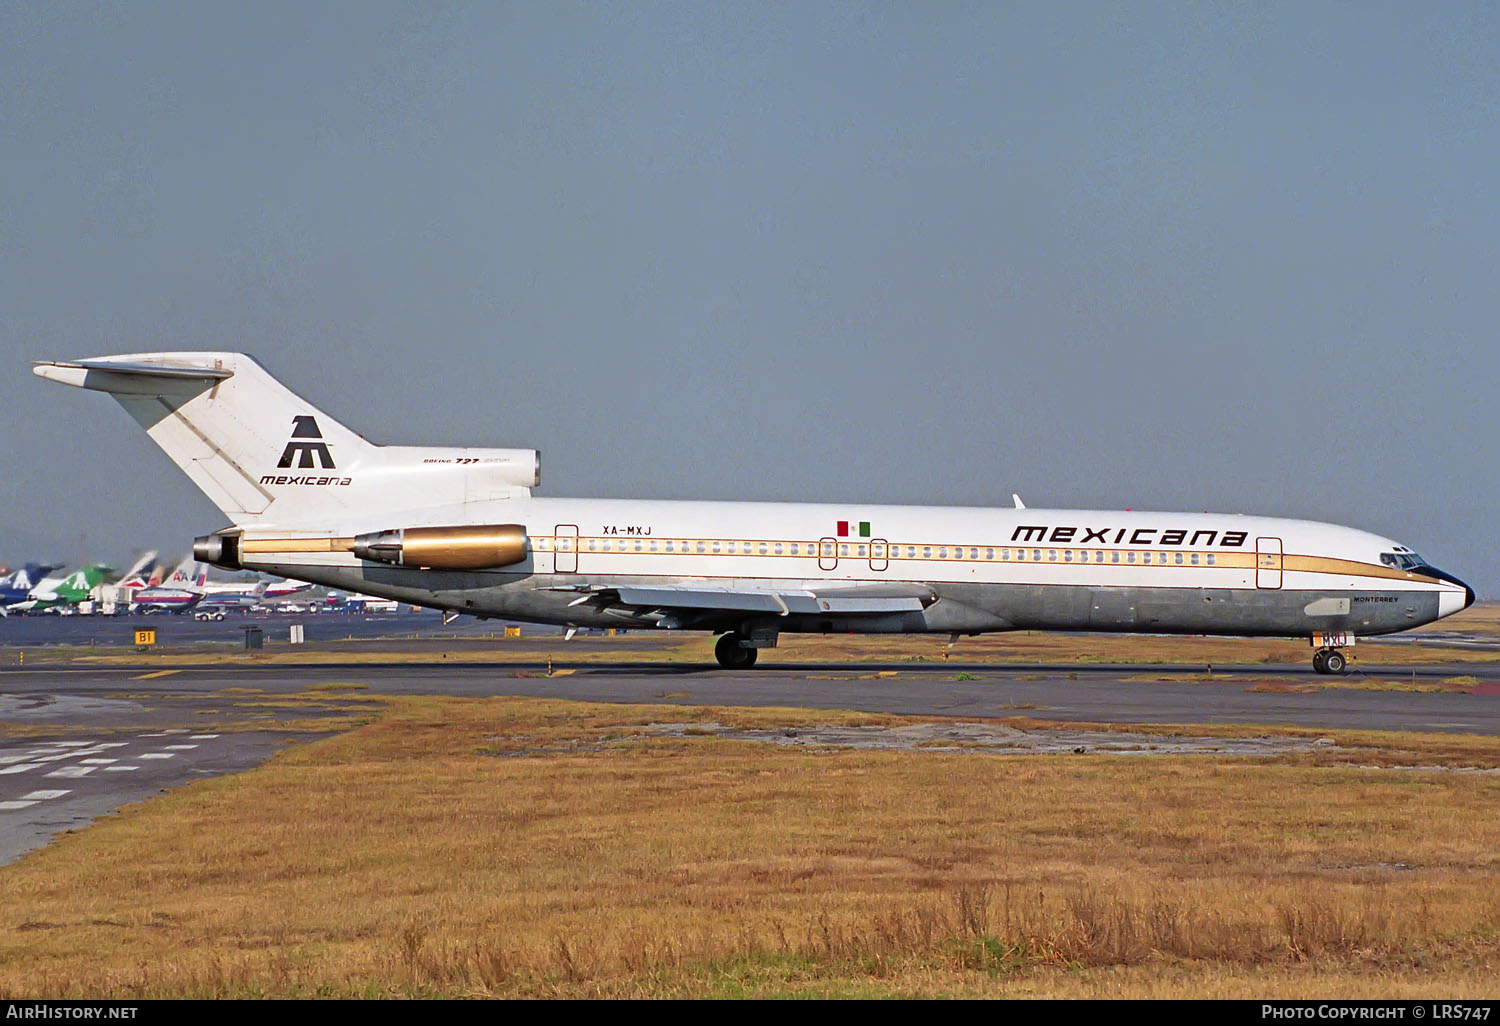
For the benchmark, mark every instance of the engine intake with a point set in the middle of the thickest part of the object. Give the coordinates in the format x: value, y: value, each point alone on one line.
x: 481, y: 547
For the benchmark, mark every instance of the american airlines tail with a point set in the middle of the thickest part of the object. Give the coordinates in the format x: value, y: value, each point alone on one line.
x: 267, y: 457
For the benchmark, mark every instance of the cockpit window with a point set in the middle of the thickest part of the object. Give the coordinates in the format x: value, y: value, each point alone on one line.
x: 1402, y: 560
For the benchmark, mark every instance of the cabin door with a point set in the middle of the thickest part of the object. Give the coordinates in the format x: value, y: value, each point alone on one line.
x: 565, y: 544
x: 1268, y: 562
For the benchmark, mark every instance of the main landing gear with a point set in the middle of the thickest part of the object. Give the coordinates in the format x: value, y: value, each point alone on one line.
x: 732, y: 655
x: 1329, y: 660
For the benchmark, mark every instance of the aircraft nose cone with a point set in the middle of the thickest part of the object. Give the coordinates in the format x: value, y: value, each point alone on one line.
x: 1448, y: 601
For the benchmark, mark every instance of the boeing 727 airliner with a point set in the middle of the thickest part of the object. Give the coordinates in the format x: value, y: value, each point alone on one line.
x: 459, y: 530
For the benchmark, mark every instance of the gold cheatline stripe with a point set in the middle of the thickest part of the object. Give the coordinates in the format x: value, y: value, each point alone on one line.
x: 297, y: 545
x: 1223, y: 560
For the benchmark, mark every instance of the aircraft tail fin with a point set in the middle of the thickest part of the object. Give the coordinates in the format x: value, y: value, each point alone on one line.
x: 264, y: 455
x: 182, y: 576
x: 222, y: 419
x: 137, y: 568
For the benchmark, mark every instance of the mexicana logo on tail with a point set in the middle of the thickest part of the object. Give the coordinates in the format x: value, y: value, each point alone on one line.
x: 303, y: 428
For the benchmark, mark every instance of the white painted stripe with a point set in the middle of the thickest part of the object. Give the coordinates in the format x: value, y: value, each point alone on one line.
x: 158, y: 755
x: 68, y: 744
x: 6, y: 760
x: 72, y: 772
x: 113, y: 744
x: 120, y: 769
x: 97, y: 762
x: 22, y: 768
x: 10, y: 806
x: 202, y: 737
x: 181, y: 748
x: 44, y: 795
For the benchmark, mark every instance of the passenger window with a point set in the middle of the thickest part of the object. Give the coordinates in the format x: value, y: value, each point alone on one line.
x: 1036, y: 555
x: 762, y: 548
x: 1195, y: 559
x: 777, y: 548
x: 1052, y: 555
x: 1021, y: 555
x: 1178, y: 558
x: 989, y: 553
x: 1130, y: 557
x: 1067, y: 555
x: 1114, y: 557
x: 1210, y: 559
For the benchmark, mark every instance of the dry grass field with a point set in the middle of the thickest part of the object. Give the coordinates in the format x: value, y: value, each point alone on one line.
x: 512, y: 847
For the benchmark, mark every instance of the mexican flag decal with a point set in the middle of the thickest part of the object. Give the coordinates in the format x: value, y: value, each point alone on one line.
x: 844, y: 526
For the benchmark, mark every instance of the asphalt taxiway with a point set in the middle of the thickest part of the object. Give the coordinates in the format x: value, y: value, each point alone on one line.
x: 87, y: 740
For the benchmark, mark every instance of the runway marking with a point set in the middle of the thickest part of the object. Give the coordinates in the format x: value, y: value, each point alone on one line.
x: 181, y: 748
x: 68, y: 744
x: 21, y: 767
x: 6, y: 760
x: 12, y: 806
x: 202, y: 737
x: 72, y: 772
x: 158, y: 755
x: 97, y: 762
x: 120, y: 769
x: 158, y: 673
x: 42, y: 796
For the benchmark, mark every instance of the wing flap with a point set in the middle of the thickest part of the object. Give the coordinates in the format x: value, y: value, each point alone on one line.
x: 777, y: 602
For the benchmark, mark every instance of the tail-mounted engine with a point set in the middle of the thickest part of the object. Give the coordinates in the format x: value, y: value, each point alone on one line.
x: 482, y: 547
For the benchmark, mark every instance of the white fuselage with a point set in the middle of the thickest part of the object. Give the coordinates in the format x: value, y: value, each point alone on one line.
x: 999, y: 563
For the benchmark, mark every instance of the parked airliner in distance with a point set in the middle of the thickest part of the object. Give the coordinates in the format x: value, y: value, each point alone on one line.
x: 459, y: 529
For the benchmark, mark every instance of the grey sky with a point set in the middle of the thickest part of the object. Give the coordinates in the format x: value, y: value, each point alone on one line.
x: 1165, y: 256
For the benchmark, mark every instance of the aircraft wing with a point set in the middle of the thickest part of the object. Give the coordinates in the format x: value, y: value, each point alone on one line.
x: 687, y: 603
